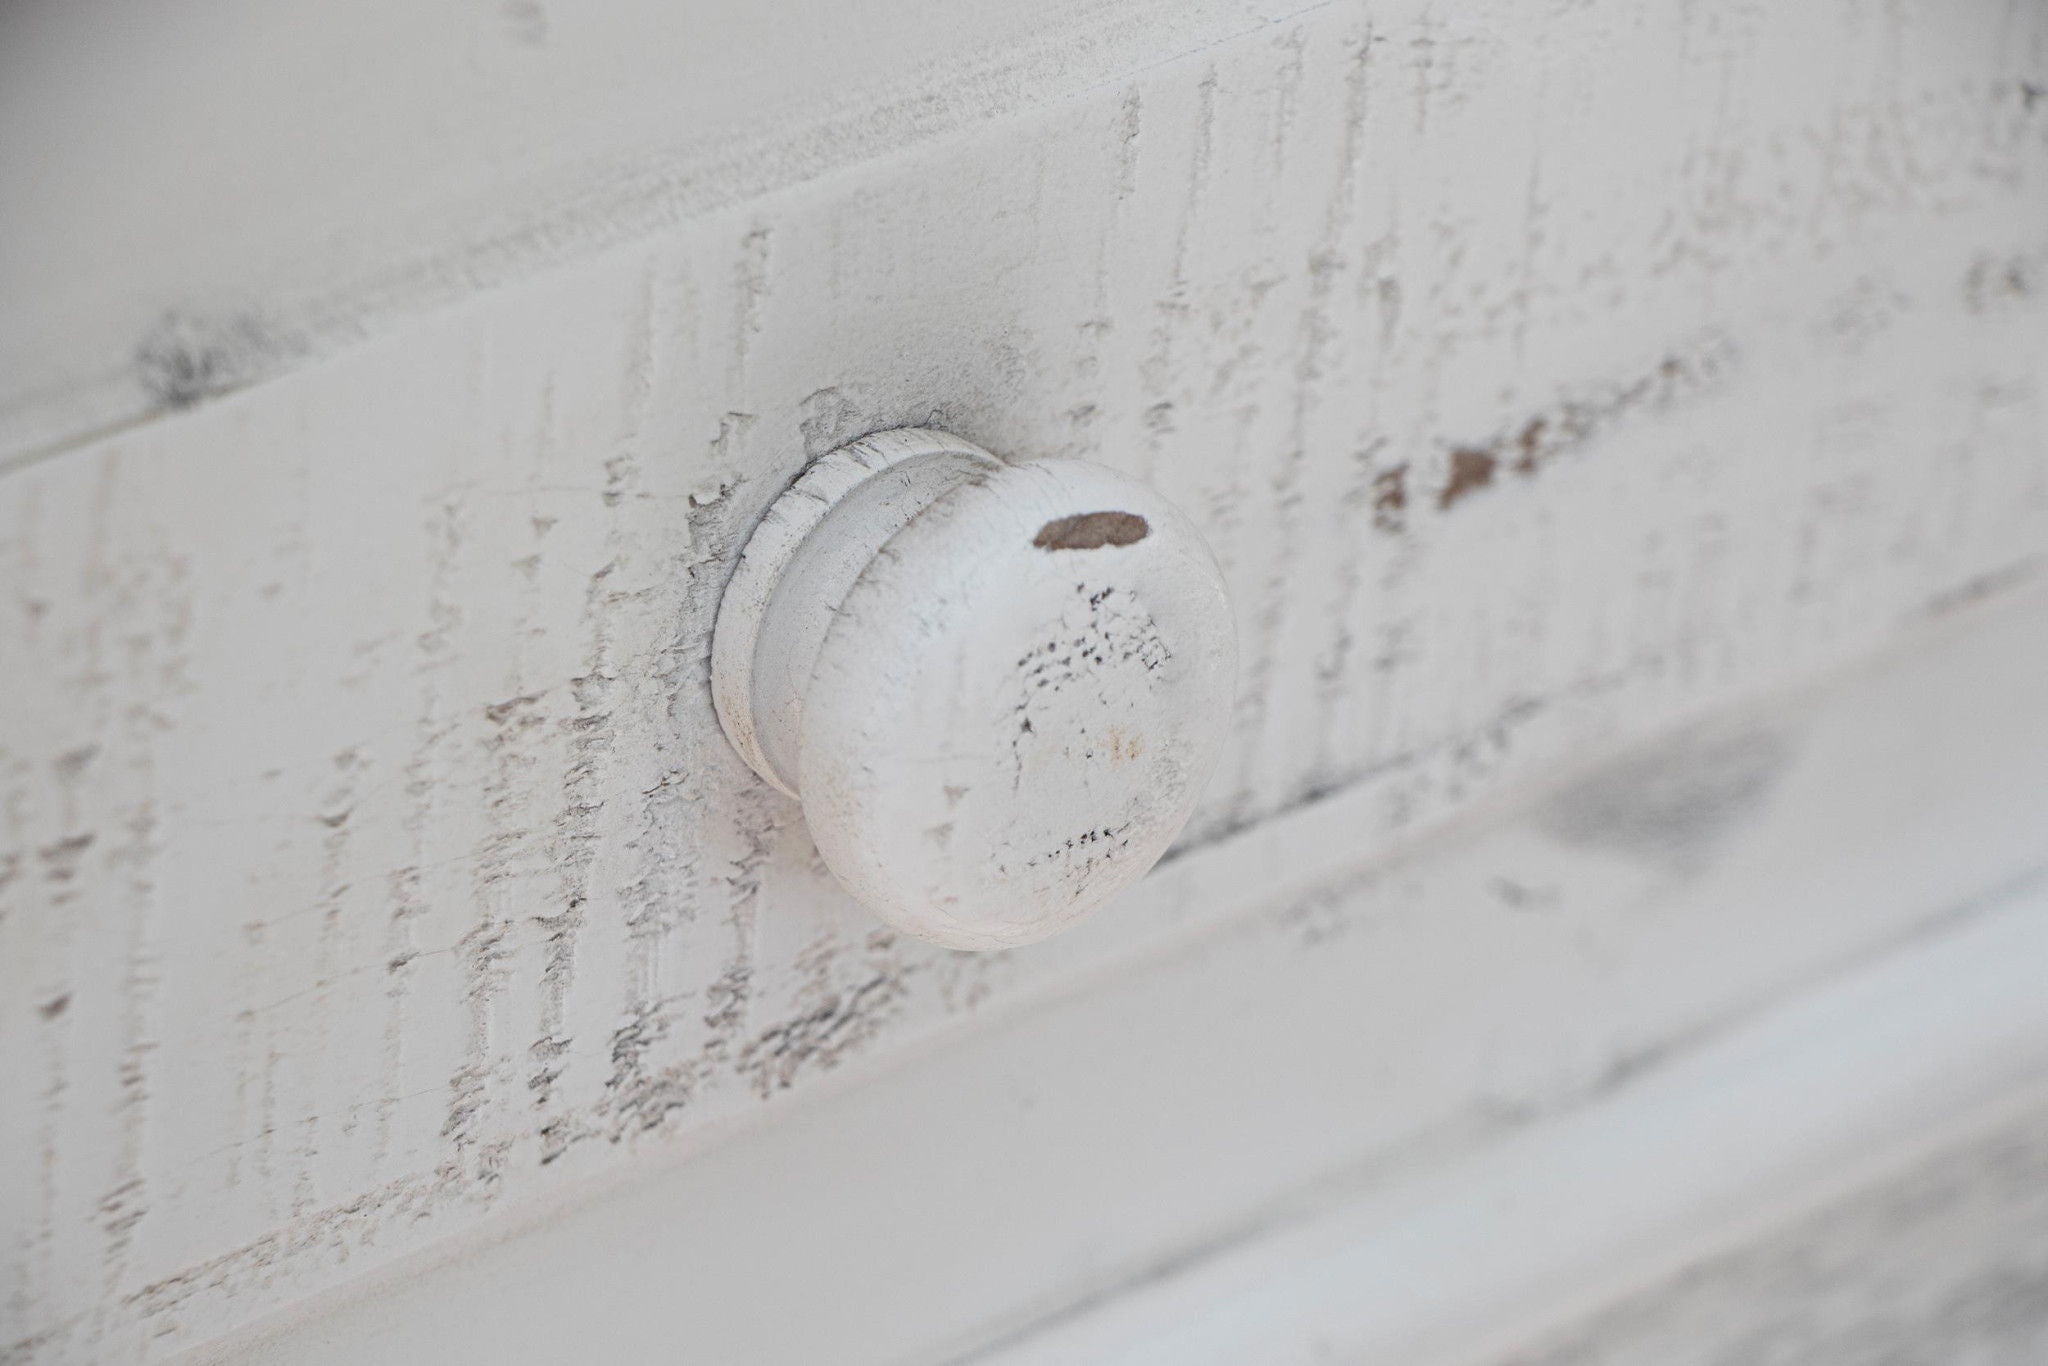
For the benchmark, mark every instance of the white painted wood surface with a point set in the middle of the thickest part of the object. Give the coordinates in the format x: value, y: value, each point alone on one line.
x: 294, y: 178
x: 1397, y: 1117
x: 373, y: 868
x: 1943, y: 1262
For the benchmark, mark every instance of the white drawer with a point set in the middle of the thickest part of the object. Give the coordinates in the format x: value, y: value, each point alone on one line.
x: 374, y: 867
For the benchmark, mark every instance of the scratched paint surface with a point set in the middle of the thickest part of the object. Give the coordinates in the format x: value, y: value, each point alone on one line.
x: 369, y: 857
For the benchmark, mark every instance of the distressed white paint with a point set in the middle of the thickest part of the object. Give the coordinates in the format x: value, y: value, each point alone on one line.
x: 761, y: 708
x: 1398, y: 1117
x: 997, y: 689
x: 373, y: 865
x: 294, y: 178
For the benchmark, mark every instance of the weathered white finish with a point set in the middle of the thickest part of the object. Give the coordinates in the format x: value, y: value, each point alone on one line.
x: 1943, y: 1263
x: 763, y: 653
x: 1441, y: 1263
x: 199, y: 199
x: 1394, y: 1119
x: 374, y: 867
x: 997, y: 689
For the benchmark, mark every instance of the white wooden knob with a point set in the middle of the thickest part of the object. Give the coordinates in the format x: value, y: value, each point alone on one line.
x: 996, y: 688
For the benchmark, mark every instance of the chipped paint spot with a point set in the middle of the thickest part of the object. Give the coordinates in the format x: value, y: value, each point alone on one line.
x: 1471, y: 470
x: 1092, y: 531
x: 1535, y: 441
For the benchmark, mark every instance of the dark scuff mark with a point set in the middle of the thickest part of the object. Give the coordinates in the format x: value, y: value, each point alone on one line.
x: 1092, y: 531
x: 185, y: 358
x: 1675, y: 805
x: 821, y: 1038
x: 1522, y: 896
x: 61, y: 858
x: 1390, y: 498
x: 1471, y: 470
x: 504, y: 713
x: 1078, y: 856
x: 55, y: 1006
x: 1529, y: 445
x: 1984, y: 586
x: 1631, y: 1065
x: 526, y: 21
x: 640, y: 1099
x: 1076, y: 653
x: 1995, y: 279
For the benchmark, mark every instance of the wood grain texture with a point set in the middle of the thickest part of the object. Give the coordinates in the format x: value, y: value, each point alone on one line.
x: 372, y: 860
x: 1390, y: 1114
x: 294, y: 179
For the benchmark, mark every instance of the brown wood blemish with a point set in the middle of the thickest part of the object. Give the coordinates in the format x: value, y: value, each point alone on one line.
x: 1471, y: 470
x: 1529, y: 445
x: 1543, y: 437
x: 1092, y: 531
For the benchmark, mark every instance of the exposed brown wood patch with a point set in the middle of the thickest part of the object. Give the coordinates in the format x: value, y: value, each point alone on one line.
x: 1471, y: 470
x: 1544, y: 437
x: 1092, y: 531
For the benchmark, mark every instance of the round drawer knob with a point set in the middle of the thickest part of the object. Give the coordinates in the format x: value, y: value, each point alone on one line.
x: 996, y: 688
